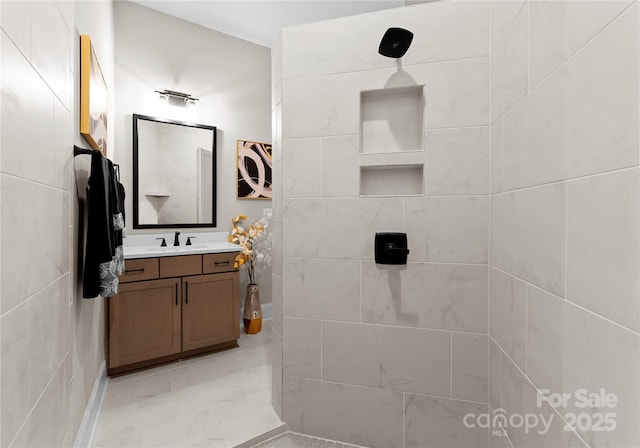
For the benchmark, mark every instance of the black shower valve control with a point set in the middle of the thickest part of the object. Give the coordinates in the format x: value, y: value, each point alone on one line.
x: 391, y: 248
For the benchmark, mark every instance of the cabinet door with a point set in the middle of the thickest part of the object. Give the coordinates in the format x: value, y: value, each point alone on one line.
x: 210, y: 310
x: 144, y: 321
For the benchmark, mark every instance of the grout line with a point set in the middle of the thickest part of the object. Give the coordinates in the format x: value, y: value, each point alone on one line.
x: 565, y: 62
x: 321, y: 350
x: 527, y: 5
x: 571, y: 179
x: 370, y: 260
x: 36, y: 293
x: 390, y: 68
x: 451, y: 365
x: 360, y: 286
x: 404, y: 419
x: 527, y: 283
x: 40, y: 184
x: 44, y: 390
x: 501, y: 155
x: 544, y: 397
x: 526, y: 330
x: 384, y: 389
x: 506, y: 29
x: 350, y: 322
x: 566, y: 242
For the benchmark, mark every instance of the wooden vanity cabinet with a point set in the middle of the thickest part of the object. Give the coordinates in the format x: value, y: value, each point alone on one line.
x: 154, y: 321
x: 145, y: 321
x: 210, y: 310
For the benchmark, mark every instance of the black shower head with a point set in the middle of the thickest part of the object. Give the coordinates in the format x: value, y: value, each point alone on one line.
x: 395, y: 42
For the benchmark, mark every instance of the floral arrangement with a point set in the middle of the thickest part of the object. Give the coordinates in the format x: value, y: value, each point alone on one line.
x: 255, y: 242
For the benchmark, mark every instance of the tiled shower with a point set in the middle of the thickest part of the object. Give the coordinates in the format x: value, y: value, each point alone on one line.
x: 506, y: 145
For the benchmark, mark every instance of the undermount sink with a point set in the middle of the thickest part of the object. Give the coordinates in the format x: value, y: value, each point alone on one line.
x: 177, y: 248
x: 153, y: 250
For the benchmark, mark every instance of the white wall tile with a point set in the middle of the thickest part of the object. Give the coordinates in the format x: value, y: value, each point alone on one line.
x: 447, y: 229
x: 301, y: 177
x: 28, y: 135
x: 277, y: 308
x: 569, y: 349
x: 439, y: 422
x: 527, y: 235
x: 301, y: 348
x: 48, y: 423
x: 49, y: 342
x: 360, y: 415
x: 502, y: 15
x: 35, y: 238
x: 445, y: 31
x: 16, y: 23
x: 276, y: 374
x: 559, y: 28
x: 603, y: 237
x: 458, y: 161
x: 322, y: 289
x: 340, y: 170
x: 403, y: 359
x: 51, y: 49
x: 317, y: 49
x: 334, y: 228
x: 496, y: 154
x: 438, y: 296
x: 322, y: 106
x: 62, y: 144
x: 66, y: 9
x: 276, y: 244
x: 16, y: 400
x: 519, y: 397
x: 508, y: 315
x: 584, y: 118
x: 469, y: 367
x: 457, y: 93
x: 510, y: 65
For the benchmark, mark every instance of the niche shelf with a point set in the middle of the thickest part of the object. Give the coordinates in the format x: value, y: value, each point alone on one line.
x: 157, y: 194
x: 391, y: 158
x: 391, y: 180
x: 391, y: 120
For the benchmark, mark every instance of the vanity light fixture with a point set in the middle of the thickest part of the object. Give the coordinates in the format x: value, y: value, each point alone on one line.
x: 169, y: 94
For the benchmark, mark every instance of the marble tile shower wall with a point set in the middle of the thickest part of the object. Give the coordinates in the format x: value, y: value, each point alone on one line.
x: 35, y: 304
x: 383, y: 357
x: 564, y: 300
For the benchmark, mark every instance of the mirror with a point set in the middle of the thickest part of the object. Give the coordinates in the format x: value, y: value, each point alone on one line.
x: 174, y: 173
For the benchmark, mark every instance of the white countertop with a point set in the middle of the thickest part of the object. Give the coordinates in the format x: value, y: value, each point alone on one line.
x: 146, y: 246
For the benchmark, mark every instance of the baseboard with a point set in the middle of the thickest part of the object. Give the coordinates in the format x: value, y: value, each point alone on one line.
x: 266, y: 312
x: 92, y: 412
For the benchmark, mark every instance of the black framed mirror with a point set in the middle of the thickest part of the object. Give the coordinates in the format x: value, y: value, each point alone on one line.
x: 174, y: 173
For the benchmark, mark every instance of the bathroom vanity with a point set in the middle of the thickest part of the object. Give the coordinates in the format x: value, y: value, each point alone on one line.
x: 173, y: 303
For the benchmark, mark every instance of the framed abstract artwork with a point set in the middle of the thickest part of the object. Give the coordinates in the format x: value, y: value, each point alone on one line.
x: 93, y: 97
x: 253, y: 163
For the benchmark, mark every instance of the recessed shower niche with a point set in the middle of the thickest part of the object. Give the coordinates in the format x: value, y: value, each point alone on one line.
x: 391, y: 157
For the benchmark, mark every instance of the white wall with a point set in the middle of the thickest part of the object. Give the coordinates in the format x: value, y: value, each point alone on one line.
x: 564, y: 297
x: 230, y: 76
x: 51, y: 339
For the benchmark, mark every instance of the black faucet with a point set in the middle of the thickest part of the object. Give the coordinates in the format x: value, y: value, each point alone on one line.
x: 176, y: 239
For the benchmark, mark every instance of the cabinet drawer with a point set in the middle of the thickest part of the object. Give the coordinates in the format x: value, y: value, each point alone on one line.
x: 139, y: 269
x: 223, y: 262
x: 180, y: 266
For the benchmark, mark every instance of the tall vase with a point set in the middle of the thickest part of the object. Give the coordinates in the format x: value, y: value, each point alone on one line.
x: 252, y: 314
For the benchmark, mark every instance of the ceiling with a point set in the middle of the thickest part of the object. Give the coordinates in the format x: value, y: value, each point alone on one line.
x: 260, y: 21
